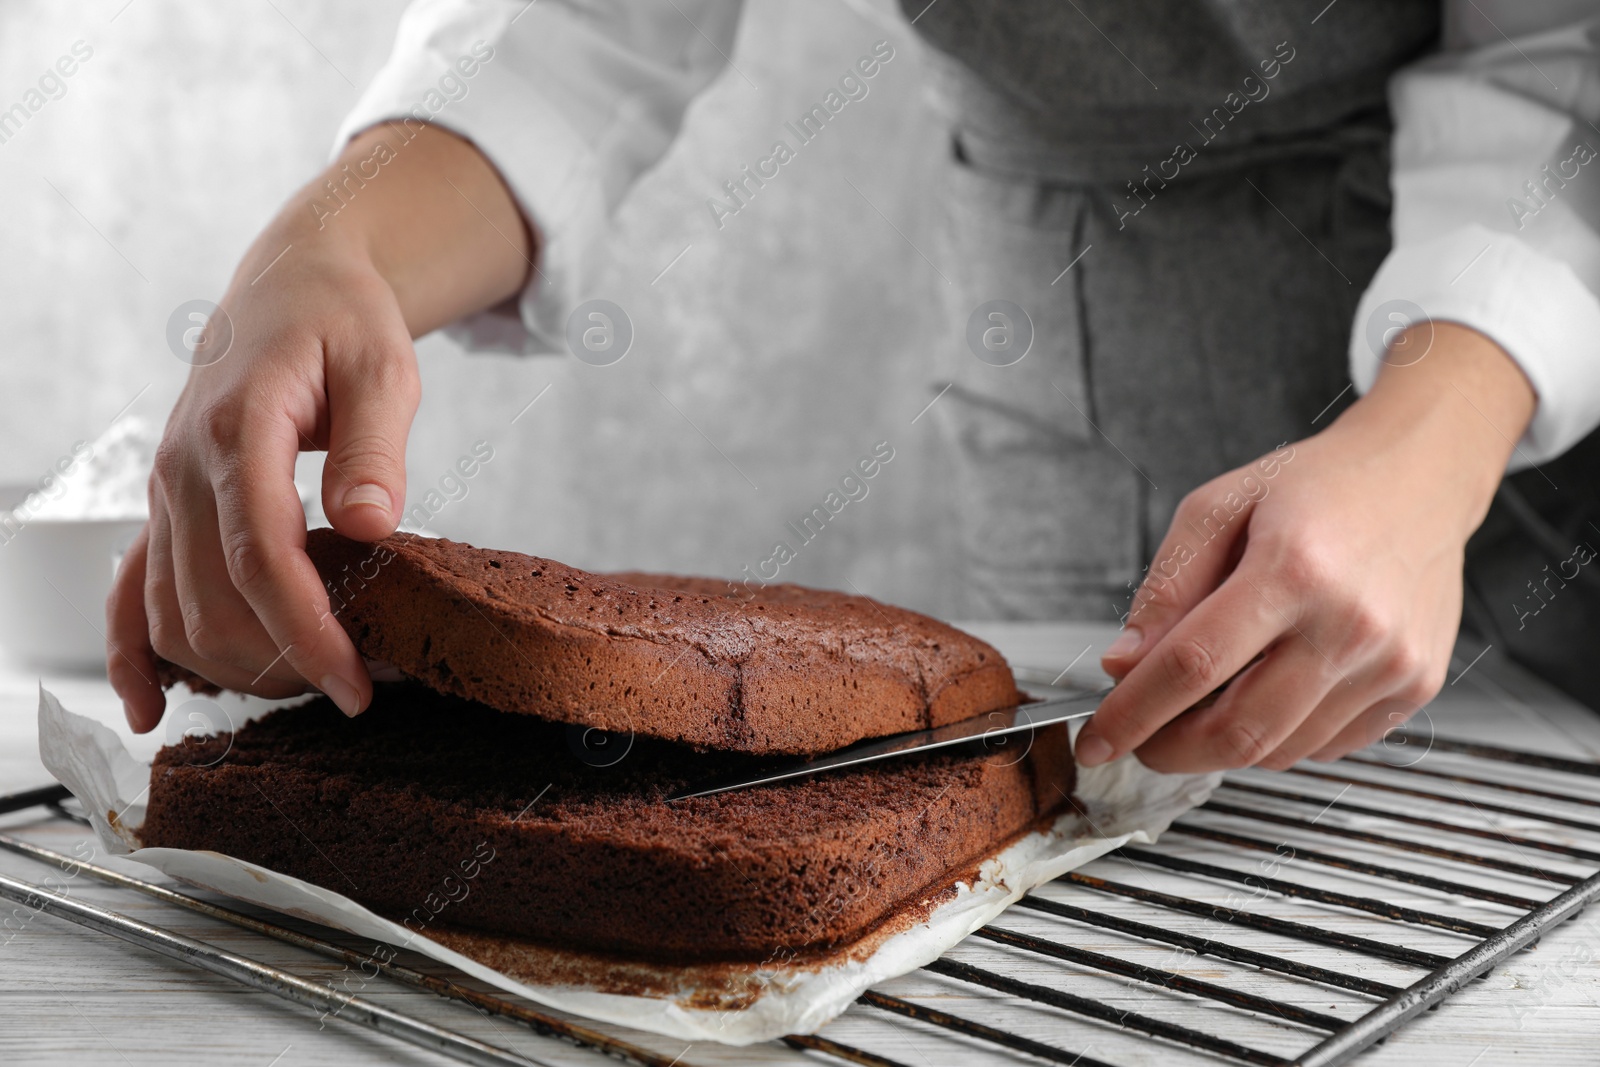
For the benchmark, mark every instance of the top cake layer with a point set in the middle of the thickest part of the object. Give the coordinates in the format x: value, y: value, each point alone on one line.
x: 761, y: 669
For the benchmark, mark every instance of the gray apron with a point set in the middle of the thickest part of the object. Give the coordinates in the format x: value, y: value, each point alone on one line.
x: 1205, y: 316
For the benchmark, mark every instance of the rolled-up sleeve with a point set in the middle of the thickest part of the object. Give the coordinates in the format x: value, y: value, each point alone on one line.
x: 570, y: 100
x: 1496, y: 222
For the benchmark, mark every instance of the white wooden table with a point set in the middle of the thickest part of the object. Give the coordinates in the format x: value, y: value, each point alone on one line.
x: 71, y: 996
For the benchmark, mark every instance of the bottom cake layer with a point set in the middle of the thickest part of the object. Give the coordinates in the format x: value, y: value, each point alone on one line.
x: 429, y: 809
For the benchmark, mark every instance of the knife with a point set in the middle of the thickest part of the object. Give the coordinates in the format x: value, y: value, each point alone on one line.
x: 980, y: 728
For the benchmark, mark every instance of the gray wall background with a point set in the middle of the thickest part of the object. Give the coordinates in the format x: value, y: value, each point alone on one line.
x: 793, y: 339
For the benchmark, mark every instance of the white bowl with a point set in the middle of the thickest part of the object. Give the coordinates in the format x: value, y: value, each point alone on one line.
x: 54, y: 578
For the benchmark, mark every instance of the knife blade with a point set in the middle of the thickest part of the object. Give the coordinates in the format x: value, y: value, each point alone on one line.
x: 994, y: 724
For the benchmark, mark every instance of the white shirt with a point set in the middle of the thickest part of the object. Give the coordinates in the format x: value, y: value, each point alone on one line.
x: 572, y: 100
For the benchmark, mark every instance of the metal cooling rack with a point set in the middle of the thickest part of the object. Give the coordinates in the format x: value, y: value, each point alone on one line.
x: 1296, y: 918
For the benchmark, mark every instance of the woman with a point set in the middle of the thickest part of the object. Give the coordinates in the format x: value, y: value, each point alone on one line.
x: 1177, y: 213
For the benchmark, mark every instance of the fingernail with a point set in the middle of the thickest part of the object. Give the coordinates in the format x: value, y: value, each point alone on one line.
x: 368, y: 496
x: 343, y: 694
x: 1092, y: 751
x: 1127, y: 642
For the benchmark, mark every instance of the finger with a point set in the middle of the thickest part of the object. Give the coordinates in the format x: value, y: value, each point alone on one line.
x: 130, y: 661
x: 219, y: 626
x: 161, y: 608
x: 1201, y: 547
x: 168, y: 635
x: 1406, y: 680
x: 263, y: 536
x: 1254, y: 716
x: 1210, y: 645
x: 1368, y: 727
x: 1339, y: 707
x: 371, y: 402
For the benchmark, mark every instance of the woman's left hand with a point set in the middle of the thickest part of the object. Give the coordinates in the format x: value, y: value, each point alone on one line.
x: 1327, y: 575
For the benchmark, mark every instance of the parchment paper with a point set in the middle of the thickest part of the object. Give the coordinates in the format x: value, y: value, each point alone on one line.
x: 1122, y: 802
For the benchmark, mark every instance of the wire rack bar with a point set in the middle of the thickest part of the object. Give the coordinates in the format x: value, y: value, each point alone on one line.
x: 1467, y: 779
x: 1157, y: 977
x: 969, y: 1028
x: 1205, y: 946
x: 1444, y: 798
x: 31, y: 798
x: 248, y: 972
x: 1439, y: 984
x: 1286, y: 888
x: 1345, y: 863
x: 542, y: 1024
x: 1583, y: 854
x: 838, y: 1050
x: 1105, y: 1013
x: 1267, y: 923
x: 1404, y: 844
x: 1499, y: 753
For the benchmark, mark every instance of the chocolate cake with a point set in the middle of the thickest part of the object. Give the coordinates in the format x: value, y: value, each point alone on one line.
x: 434, y: 809
x: 749, y: 668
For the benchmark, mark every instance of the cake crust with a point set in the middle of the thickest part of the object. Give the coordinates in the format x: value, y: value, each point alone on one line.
x: 768, y: 669
x: 432, y: 809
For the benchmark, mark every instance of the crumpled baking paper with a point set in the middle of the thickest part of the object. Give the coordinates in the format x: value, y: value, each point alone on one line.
x: 1122, y: 802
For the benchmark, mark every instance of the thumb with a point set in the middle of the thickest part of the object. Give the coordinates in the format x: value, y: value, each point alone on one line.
x: 371, y: 402
x: 1201, y: 548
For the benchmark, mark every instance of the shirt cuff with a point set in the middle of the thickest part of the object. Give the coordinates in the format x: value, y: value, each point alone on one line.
x: 1530, y: 304
x: 517, y: 130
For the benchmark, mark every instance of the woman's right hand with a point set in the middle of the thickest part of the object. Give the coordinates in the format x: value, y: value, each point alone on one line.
x: 323, y: 310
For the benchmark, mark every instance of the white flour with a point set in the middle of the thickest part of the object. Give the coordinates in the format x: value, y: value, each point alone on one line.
x: 110, y: 482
